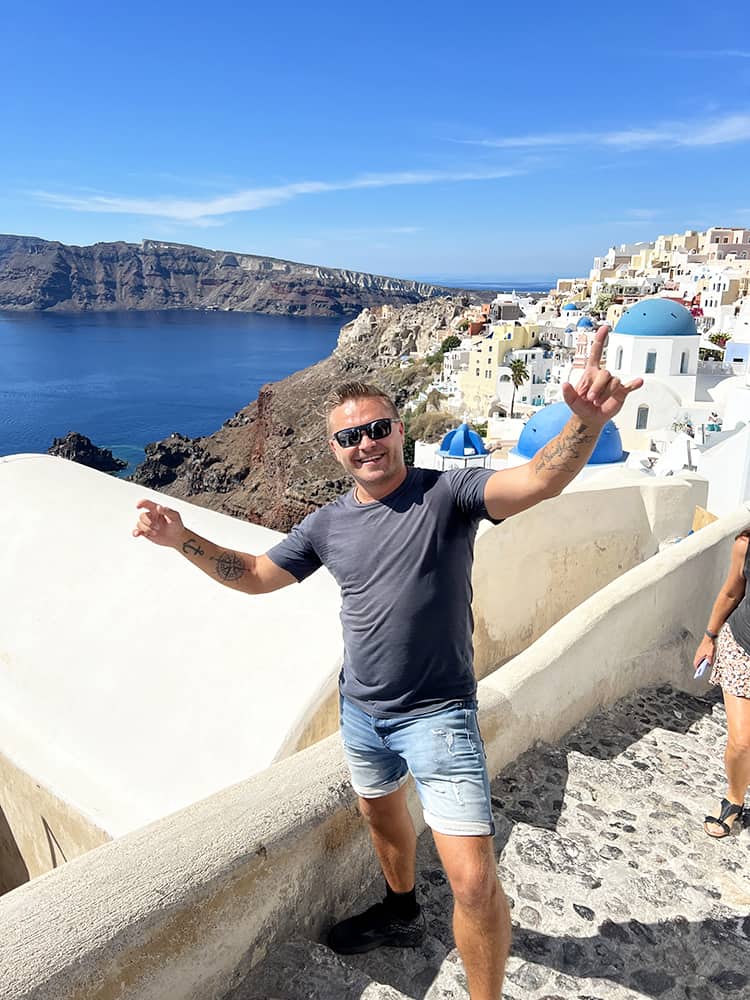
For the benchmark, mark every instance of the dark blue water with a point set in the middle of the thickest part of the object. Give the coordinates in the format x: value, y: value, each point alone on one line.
x: 125, y: 379
x: 539, y: 286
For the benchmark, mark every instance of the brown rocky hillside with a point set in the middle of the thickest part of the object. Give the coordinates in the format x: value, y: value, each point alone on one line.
x: 270, y: 462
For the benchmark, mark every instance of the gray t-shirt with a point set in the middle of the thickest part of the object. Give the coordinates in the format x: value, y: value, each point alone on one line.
x: 404, y: 567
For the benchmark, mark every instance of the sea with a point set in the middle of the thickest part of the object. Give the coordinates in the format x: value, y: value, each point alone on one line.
x: 125, y: 379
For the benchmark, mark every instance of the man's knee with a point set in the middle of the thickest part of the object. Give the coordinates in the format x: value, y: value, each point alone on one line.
x: 475, y: 886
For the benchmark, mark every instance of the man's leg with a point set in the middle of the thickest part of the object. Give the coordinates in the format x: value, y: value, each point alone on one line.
x: 393, y: 837
x: 481, y: 918
x: 378, y: 776
x: 398, y: 920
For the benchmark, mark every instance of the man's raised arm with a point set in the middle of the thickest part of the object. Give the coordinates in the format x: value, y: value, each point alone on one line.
x: 238, y: 570
x: 597, y: 398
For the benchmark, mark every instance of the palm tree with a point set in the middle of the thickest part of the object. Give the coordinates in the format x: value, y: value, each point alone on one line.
x: 519, y: 374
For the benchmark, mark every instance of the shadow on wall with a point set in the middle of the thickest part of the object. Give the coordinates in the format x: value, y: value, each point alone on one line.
x: 13, y: 870
x: 56, y: 853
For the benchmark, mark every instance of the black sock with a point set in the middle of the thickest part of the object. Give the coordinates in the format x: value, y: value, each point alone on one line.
x: 403, y: 905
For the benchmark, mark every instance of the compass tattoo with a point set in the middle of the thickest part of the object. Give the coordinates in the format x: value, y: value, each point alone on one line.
x: 229, y: 566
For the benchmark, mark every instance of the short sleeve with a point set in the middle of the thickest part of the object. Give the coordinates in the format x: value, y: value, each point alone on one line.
x: 467, y: 487
x: 296, y: 553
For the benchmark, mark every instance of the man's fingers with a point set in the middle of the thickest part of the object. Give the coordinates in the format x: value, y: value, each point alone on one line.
x: 146, y: 505
x: 602, y: 387
x: 632, y: 386
x: 595, y: 354
x: 569, y: 394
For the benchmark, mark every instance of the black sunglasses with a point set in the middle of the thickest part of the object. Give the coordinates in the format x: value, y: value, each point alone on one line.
x: 350, y: 437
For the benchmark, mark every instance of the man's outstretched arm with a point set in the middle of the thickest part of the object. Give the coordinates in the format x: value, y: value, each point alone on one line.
x: 238, y: 570
x: 597, y: 398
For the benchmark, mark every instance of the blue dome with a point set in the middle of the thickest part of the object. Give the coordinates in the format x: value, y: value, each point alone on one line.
x: 585, y: 322
x: 657, y: 318
x: 569, y: 306
x: 550, y: 420
x: 569, y: 328
x: 461, y: 442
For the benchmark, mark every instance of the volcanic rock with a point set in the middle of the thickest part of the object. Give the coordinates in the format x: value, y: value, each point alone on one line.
x: 78, y: 448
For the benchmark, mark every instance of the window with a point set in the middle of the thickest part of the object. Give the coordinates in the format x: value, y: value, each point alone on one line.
x: 641, y: 420
x: 618, y: 359
x: 651, y: 362
x: 684, y: 363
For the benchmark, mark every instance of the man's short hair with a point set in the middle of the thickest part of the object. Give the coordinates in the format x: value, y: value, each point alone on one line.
x: 345, y: 391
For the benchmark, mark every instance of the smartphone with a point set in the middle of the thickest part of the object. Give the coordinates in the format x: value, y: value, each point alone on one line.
x: 702, y: 667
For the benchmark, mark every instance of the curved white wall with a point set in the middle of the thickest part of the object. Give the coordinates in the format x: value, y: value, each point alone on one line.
x: 185, y: 907
x: 131, y: 684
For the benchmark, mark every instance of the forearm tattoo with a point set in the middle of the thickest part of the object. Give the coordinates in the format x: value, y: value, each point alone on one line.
x: 563, y: 453
x: 229, y: 566
x: 192, y: 548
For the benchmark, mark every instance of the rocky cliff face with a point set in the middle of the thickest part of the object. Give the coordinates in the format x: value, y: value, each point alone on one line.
x: 270, y: 463
x: 78, y: 448
x: 36, y: 274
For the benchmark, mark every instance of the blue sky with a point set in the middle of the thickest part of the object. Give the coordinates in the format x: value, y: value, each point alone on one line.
x: 484, y: 140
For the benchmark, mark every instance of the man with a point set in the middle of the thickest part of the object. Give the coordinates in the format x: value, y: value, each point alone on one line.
x: 400, y: 545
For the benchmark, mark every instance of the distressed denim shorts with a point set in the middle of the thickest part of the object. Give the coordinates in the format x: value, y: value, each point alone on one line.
x: 443, y: 751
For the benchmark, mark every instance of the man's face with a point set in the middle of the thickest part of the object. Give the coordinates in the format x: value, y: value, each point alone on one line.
x: 377, y: 466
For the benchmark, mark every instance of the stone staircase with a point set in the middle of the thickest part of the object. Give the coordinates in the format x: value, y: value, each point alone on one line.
x: 616, y: 892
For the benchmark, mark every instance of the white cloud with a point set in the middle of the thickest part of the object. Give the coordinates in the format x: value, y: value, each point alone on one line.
x: 252, y: 199
x: 719, y: 131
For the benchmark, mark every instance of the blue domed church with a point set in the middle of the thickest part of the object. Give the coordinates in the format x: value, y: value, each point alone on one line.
x: 657, y: 340
x: 547, y: 424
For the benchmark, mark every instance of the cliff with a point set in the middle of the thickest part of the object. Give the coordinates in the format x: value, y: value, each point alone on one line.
x: 270, y: 463
x: 39, y: 275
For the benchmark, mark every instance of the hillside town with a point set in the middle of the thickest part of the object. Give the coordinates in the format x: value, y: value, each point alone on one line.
x: 679, y: 312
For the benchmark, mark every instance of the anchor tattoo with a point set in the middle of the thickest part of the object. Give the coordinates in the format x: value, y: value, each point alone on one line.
x: 191, y: 547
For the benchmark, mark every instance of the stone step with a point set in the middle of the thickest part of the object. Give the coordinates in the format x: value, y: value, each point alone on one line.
x: 304, y: 970
x: 616, y: 893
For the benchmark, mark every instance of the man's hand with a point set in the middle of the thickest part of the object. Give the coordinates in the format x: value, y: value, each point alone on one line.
x: 599, y: 396
x: 160, y: 525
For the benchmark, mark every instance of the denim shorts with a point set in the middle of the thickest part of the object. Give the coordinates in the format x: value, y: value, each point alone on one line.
x: 444, y: 752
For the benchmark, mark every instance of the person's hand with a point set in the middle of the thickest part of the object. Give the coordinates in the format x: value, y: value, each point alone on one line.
x: 707, y: 648
x: 160, y: 525
x: 599, y: 395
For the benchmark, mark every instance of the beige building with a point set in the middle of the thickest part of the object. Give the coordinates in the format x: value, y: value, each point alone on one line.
x: 478, y: 380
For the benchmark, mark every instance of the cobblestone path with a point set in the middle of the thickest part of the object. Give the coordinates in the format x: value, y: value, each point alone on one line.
x: 616, y: 892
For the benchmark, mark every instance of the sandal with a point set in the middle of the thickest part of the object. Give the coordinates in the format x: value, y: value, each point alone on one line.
x: 728, y: 810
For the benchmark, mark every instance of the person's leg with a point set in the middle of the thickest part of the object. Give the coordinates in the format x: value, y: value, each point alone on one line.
x: 378, y: 777
x: 736, y: 757
x: 481, y: 918
x: 445, y: 754
x: 393, y: 837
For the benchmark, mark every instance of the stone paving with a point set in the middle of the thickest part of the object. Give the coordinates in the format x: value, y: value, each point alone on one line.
x: 616, y: 892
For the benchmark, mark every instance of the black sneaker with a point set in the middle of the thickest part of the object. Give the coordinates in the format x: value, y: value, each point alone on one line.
x: 374, y: 928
